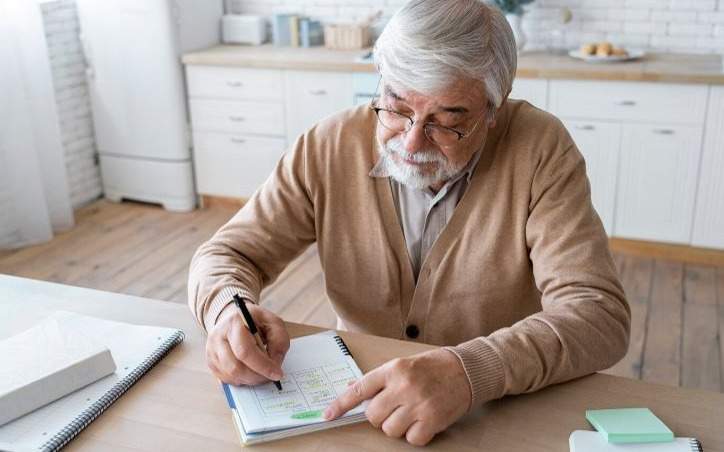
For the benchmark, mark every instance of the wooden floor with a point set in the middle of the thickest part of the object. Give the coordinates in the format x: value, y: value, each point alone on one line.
x: 678, y: 308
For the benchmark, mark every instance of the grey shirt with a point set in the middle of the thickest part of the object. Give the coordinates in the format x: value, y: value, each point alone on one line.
x: 423, y: 214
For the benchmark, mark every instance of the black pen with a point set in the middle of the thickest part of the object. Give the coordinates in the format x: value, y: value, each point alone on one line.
x: 249, y: 321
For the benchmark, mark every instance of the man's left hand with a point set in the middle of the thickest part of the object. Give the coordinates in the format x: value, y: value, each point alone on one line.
x: 417, y: 396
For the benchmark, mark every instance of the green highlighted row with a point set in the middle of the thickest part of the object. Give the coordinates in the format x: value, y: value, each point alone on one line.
x: 307, y: 414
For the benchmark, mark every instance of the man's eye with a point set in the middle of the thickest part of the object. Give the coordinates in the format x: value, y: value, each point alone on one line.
x: 454, y: 126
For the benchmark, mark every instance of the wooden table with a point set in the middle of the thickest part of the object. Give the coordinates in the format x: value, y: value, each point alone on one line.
x: 179, y: 406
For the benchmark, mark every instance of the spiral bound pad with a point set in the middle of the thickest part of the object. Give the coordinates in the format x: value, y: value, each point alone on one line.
x: 317, y: 370
x: 588, y: 441
x: 136, y: 349
x: 342, y: 346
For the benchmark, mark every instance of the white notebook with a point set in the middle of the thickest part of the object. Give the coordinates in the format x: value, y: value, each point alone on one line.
x: 317, y: 369
x: 588, y: 441
x: 135, y: 349
x: 46, y: 362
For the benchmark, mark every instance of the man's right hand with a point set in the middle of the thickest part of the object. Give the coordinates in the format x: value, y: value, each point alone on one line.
x: 232, y: 353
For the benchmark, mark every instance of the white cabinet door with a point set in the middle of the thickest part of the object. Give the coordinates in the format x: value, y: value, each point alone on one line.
x: 534, y: 91
x: 657, y: 182
x: 709, y: 217
x: 599, y: 143
x: 312, y: 96
x: 234, y: 164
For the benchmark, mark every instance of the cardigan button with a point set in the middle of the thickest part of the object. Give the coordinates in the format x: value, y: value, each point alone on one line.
x: 412, y: 331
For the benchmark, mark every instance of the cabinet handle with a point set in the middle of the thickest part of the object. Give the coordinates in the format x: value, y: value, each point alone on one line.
x: 234, y: 84
x: 664, y: 131
x: 236, y: 118
x: 238, y: 140
x: 317, y: 92
x: 626, y: 103
x: 586, y: 127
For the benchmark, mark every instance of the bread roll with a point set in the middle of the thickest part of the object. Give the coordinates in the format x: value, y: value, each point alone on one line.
x: 603, y: 49
x: 588, y: 49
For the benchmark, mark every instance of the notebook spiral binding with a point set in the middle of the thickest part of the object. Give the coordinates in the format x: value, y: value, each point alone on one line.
x: 88, y: 415
x: 695, y: 445
x: 342, y: 345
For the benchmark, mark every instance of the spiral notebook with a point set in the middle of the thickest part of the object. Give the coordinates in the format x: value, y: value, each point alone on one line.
x: 135, y: 350
x: 588, y: 441
x: 317, y: 369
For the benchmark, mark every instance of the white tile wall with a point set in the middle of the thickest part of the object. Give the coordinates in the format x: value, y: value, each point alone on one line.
x: 71, y: 93
x: 695, y: 26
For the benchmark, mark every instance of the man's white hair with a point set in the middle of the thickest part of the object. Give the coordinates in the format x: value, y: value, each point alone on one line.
x: 429, y: 43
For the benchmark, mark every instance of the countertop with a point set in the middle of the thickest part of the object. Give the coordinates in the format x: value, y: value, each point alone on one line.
x: 654, y: 67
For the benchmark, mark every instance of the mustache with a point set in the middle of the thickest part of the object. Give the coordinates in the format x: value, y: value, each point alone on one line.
x: 395, y: 146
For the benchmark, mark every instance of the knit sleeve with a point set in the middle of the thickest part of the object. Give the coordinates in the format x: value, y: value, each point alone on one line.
x: 584, y: 323
x: 251, y: 249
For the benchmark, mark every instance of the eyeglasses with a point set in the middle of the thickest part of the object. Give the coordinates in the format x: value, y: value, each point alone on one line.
x: 435, y: 133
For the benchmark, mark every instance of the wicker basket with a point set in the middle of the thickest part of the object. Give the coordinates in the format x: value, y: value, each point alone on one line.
x: 346, y: 36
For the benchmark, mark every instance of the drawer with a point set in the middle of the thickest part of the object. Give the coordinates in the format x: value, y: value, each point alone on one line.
x: 312, y: 96
x: 234, y: 83
x: 628, y: 101
x: 234, y: 165
x: 534, y: 91
x: 263, y: 118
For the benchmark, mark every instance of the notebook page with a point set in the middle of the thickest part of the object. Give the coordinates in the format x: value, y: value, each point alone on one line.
x: 316, y: 371
x: 130, y: 345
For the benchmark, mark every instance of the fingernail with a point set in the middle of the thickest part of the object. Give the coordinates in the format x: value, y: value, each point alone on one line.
x: 328, y: 413
x: 276, y: 375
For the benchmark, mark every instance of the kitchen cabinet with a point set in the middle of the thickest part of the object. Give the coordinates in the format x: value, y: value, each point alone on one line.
x: 311, y: 96
x: 654, y: 151
x: 535, y: 91
x: 709, y: 216
x: 657, y: 182
x: 234, y: 164
x: 238, y: 126
x: 598, y: 141
x: 653, y: 187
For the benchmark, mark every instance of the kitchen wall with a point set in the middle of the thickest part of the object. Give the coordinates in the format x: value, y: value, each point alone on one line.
x: 695, y: 26
x: 71, y: 94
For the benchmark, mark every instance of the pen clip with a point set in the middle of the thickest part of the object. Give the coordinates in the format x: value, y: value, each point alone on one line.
x: 247, y: 315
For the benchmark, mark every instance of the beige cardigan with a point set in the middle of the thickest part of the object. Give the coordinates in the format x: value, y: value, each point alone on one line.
x: 520, y: 283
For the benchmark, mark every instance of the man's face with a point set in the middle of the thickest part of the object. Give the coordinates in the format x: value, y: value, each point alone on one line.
x: 414, y: 157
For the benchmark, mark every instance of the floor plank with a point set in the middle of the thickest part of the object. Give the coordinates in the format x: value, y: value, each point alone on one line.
x: 700, y: 342
x: 662, y: 350
x: 636, y: 276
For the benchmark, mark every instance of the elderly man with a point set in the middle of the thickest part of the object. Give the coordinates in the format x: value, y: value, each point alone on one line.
x: 443, y: 213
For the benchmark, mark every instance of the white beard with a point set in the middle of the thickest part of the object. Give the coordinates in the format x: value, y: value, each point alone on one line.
x: 412, y: 175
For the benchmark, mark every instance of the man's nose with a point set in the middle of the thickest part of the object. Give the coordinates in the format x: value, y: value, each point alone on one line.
x: 415, y: 139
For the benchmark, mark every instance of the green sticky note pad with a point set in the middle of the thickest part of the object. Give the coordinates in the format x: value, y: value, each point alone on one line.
x: 629, y: 425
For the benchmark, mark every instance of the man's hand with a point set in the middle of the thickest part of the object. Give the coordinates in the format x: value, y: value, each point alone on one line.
x: 232, y: 353
x: 417, y: 396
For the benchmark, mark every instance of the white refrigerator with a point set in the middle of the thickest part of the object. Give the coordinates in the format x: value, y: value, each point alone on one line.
x: 136, y: 83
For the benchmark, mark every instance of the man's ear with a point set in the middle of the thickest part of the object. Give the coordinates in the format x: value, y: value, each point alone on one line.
x: 493, y: 121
